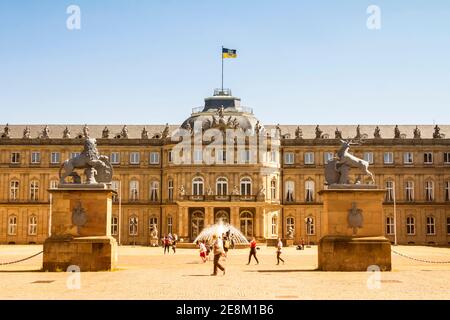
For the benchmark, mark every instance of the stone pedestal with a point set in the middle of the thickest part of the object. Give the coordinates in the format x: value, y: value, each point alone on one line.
x: 80, y: 229
x: 352, y: 230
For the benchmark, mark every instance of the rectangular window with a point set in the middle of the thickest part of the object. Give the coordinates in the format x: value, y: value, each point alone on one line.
x: 428, y: 158
x: 389, y: 191
x: 368, y: 156
x: 115, y: 157
x: 198, y: 156
x: 245, y: 156
x: 170, y: 156
x: 431, y: 230
x: 15, y: 157
x: 448, y: 225
x: 447, y: 157
x: 55, y: 157
x: 309, y: 157
x: 388, y: 158
x: 170, y: 189
x: 408, y: 158
x: 409, y: 188
x: 309, y: 191
x: 410, y: 226
x: 327, y: 157
x: 134, y: 157
x: 221, y: 156
x: 74, y: 155
x: 429, y: 191
x: 390, y: 225
x: 273, y: 156
x: 154, y: 157
x: 447, y: 191
x: 114, y: 226
x: 289, y: 158
x: 35, y: 157
x: 115, y: 186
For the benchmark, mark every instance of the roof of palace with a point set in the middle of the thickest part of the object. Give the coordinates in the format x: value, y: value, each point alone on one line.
x: 308, y: 131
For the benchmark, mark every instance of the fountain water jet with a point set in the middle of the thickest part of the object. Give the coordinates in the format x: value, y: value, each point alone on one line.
x: 219, y: 229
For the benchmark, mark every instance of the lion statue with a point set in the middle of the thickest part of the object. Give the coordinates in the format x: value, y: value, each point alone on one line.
x: 96, y: 167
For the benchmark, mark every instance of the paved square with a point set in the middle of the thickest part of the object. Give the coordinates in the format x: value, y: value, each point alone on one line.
x: 145, y: 273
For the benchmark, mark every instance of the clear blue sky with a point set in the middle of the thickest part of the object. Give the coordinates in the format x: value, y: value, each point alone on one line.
x: 151, y: 61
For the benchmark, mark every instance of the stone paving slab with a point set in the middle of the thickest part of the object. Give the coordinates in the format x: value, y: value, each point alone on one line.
x: 145, y: 273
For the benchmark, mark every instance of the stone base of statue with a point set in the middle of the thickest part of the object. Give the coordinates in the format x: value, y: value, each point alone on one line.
x: 341, y: 253
x: 154, y: 243
x: 80, y: 229
x: 85, y: 253
x: 352, y: 229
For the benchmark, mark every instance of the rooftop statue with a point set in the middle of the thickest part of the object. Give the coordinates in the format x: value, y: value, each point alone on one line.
x: 318, y: 132
x: 26, y: 133
x: 436, y: 133
x: 144, y: 133
x: 66, y: 133
x: 337, y: 134
x: 417, y: 133
x: 298, y: 133
x: 337, y: 170
x: 96, y: 167
x: 397, y: 132
x: 105, y: 133
x: 45, y: 133
x: 377, y: 133
x: 358, y: 132
x: 6, y: 132
x: 166, y: 131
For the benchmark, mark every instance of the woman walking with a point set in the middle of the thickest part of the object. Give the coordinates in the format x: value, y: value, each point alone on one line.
x: 218, y: 252
x: 203, y: 250
x: 279, y: 246
x: 252, y: 251
x: 166, y: 244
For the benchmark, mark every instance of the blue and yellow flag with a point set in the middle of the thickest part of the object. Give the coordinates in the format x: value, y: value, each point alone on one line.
x: 229, y: 53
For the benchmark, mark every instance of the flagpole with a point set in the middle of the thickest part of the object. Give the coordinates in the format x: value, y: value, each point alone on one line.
x: 222, y: 67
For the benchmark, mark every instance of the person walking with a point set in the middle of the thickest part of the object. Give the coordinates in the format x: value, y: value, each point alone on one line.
x: 174, y: 243
x: 166, y: 244
x: 226, y: 245
x: 203, y: 250
x: 218, y: 252
x: 279, y: 246
x: 252, y: 251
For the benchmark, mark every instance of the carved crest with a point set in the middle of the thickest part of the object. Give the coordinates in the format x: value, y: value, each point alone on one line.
x: 355, y: 218
x: 79, y: 217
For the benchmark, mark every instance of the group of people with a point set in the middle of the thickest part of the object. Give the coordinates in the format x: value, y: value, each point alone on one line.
x: 220, y: 247
x: 169, y: 241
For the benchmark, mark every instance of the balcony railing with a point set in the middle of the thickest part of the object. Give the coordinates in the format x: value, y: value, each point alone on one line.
x: 227, y: 198
x: 240, y: 108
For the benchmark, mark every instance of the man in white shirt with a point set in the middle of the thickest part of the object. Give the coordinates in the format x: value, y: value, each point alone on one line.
x: 279, y: 246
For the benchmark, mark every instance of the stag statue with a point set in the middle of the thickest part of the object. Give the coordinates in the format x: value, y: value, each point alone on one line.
x: 97, y: 167
x: 337, y: 170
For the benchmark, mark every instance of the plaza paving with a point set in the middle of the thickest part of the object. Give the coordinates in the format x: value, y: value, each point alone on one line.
x: 145, y: 273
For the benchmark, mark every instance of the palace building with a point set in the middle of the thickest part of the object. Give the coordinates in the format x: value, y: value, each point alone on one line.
x: 263, y: 193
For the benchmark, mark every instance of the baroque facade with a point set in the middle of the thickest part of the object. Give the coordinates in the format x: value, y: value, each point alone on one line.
x: 264, y: 194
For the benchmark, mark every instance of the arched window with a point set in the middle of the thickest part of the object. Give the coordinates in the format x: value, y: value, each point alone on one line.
x: 429, y: 190
x: 197, y: 186
x: 14, y: 190
x: 134, y: 190
x: 154, y: 190
x: 54, y: 184
x: 223, y: 216
x: 409, y: 189
x: 246, y: 186
x: 310, y: 226
x: 114, y: 225
x: 309, y: 191
x: 274, y: 225
x: 389, y: 191
x: 169, y: 224
x: 390, y: 227
x: 290, y: 224
x: 410, y: 225
x: 273, y: 188
x: 197, y: 223
x: 431, y: 226
x: 222, y: 186
x: 290, y: 191
x: 246, y: 223
x: 152, y: 224
x: 34, y: 190
x: 12, y: 225
x: 32, y: 225
x: 133, y: 226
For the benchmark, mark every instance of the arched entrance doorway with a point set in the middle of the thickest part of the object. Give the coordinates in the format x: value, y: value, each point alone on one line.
x: 246, y: 223
x: 222, y: 215
x: 197, y: 223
